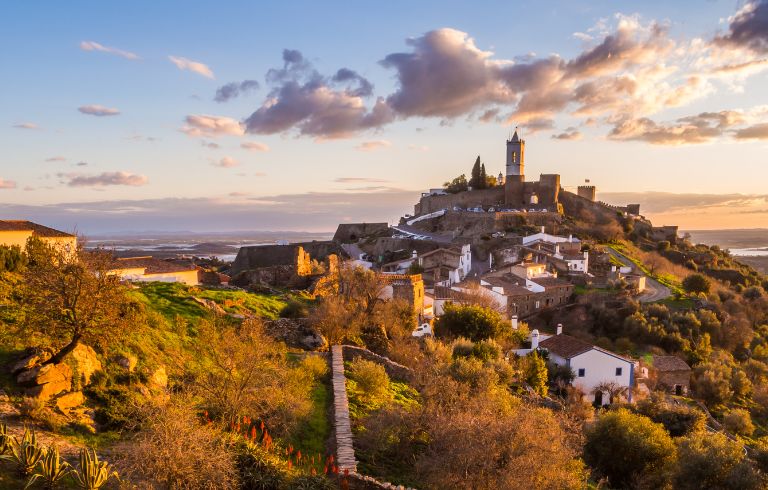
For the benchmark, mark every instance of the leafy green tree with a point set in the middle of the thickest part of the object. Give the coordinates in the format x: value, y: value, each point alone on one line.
x: 12, y: 259
x: 679, y: 420
x: 536, y: 373
x: 459, y: 184
x: 712, y: 461
x: 628, y: 448
x: 71, y: 297
x: 470, y: 321
x: 696, y: 283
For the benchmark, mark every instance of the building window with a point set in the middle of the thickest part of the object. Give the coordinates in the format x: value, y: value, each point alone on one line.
x: 582, y: 372
x: 618, y: 371
x: 538, y: 304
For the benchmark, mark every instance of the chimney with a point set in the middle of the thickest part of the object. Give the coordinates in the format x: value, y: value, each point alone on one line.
x: 570, y: 238
x: 514, y: 322
x: 542, y: 228
x: 414, y: 254
x: 534, y: 339
x: 559, y: 328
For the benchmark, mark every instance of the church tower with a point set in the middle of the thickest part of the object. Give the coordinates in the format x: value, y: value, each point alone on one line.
x: 516, y: 156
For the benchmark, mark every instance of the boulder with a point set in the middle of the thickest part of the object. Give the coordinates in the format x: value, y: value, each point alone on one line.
x: 127, y: 362
x: 30, y: 360
x: 68, y: 401
x: 85, y: 361
x: 296, y: 333
x: 47, y: 381
x: 159, y: 378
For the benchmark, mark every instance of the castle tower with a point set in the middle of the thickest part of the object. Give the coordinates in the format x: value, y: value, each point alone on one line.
x: 516, y: 156
x: 514, y: 184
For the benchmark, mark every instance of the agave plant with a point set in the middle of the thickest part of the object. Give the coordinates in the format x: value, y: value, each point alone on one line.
x: 5, y: 439
x: 51, y: 470
x: 25, y: 454
x: 92, y: 474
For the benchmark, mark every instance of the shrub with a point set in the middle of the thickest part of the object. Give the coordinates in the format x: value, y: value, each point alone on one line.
x: 371, y: 378
x: 294, y: 309
x: 92, y: 474
x: 462, y: 347
x: 679, y: 420
x: 24, y: 453
x: 696, y: 283
x: 627, y: 448
x: 260, y: 469
x: 473, y: 322
x: 486, y: 350
x: 315, y: 366
x: 712, y: 461
x: 739, y: 422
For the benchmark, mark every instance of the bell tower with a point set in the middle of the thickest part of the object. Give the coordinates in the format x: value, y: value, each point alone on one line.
x: 516, y: 156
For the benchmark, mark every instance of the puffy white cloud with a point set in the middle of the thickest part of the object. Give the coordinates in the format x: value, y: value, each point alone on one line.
x: 756, y: 132
x: 701, y: 128
x: 254, y: 146
x: 94, y: 46
x: 202, y: 125
x: 373, y: 145
x: 7, y: 184
x: 104, y: 179
x: 748, y: 28
x: 323, y: 107
x: 190, y: 65
x: 226, y: 162
x: 98, y: 110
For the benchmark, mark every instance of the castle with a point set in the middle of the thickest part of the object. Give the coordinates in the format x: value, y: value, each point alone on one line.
x: 519, y: 194
x: 514, y: 196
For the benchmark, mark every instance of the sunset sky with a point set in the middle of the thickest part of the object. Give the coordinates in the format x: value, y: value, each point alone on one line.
x: 211, y: 116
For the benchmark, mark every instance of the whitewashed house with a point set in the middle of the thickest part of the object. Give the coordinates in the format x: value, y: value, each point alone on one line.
x: 593, y: 367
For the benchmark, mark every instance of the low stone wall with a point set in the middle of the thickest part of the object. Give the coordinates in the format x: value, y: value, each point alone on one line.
x: 345, y: 451
x: 394, y: 370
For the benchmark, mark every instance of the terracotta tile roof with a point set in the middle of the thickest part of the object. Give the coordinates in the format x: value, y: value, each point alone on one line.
x: 670, y: 363
x: 37, y: 230
x: 153, y: 265
x: 549, y: 282
x: 565, y: 346
x: 443, y: 292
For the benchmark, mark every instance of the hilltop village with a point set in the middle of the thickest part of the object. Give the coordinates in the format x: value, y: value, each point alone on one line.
x: 503, y: 320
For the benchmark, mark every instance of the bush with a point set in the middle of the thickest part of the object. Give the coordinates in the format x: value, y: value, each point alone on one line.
x: 679, y: 420
x: 696, y: 283
x: 462, y: 347
x: 712, y: 461
x: 628, y: 448
x: 473, y: 322
x: 315, y: 366
x: 371, y: 378
x: 294, y: 309
x: 487, y: 350
x: 738, y: 421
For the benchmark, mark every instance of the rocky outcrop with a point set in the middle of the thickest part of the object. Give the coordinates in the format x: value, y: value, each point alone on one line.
x: 68, y: 401
x: 31, y: 359
x: 296, y: 333
x: 85, y: 361
x: 44, y: 382
x: 159, y: 378
x: 127, y: 362
x: 210, y: 305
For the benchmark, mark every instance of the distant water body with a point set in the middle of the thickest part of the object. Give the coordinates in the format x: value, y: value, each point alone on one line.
x: 749, y: 252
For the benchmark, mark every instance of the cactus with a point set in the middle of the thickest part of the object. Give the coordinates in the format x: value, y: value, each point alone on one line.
x: 92, y: 474
x: 26, y: 453
x: 51, y: 470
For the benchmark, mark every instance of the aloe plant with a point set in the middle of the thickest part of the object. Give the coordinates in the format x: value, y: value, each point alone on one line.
x: 92, y: 474
x: 51, y: 470
x: 25, y: 454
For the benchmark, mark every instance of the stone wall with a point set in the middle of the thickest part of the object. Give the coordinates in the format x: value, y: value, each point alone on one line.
x: 468, y: 199
x: 249, y: 258
x: 352, y: 232
x: 396, y: 371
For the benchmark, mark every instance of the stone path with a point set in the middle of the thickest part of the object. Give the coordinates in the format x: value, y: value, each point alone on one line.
x: 345, y: 452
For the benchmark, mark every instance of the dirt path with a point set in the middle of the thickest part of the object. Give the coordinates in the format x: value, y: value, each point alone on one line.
x: 16, y: 425
x: 654, y: 291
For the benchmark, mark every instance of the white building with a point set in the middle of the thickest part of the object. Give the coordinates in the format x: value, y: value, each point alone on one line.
x: 592, y: 366
x: 149, y: 269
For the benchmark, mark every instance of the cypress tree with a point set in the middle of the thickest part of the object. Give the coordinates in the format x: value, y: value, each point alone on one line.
x: 474, y: 181
x: 483, y: 177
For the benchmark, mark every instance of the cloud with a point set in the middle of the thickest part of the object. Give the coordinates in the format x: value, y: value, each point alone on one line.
x: 353, y: 180
x: 314, y: 211
x: 7, y: 184
x: 662, y: 202
x: 26, y: 125
x: 226, y: 162
x: 104, y: 179
x: 239, y: 194
x: 373, y: 145
x: 541, y: 124
x: 445, y: 75
x: 98, y: 110
x: 56, y: 159
x: 701, y: 128
x: 210, y: 145
x: 94, y: 46
x: 211, y: 126
x: 756, y: 132
x: 193, y: 66
x: 570, y: 134
x: 254, y: 146
x: 235, y: 89
x: 748, y: 28
x: 318, y: 106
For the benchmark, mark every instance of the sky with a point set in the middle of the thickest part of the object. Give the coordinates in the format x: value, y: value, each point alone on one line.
x: 242, y: 115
